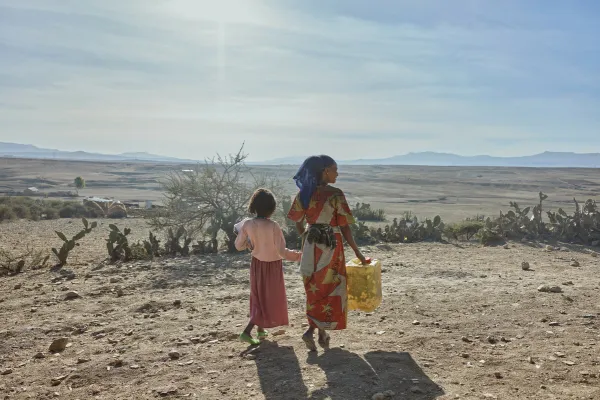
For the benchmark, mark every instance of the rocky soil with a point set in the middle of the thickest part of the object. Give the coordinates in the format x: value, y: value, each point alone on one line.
x: 458, y: 321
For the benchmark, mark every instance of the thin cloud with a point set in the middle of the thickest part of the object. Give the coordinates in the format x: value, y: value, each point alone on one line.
x: 190, y: 78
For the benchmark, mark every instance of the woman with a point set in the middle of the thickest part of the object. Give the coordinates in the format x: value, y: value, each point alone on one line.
x: 323, y: 266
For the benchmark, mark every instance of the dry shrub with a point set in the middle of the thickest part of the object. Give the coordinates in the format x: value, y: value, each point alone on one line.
x: 12, y: 263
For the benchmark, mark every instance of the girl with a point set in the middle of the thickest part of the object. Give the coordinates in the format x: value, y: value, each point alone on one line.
x: 323, y: 266
x: 268, y: 301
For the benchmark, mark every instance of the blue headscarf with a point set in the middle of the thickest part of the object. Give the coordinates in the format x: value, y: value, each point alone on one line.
x: 309, y: 174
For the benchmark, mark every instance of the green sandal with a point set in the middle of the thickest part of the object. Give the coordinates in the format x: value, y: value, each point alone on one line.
x: 244, y: 337
x: 262, y: 335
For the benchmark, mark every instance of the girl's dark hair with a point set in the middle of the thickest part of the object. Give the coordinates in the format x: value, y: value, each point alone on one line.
x: 262, y: 203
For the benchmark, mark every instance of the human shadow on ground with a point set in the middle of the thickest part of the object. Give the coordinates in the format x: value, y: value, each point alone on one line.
x: 279, y: 372
x: 350, y: 376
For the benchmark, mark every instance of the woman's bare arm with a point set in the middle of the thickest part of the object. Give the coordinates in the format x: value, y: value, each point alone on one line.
x: 347, y: 233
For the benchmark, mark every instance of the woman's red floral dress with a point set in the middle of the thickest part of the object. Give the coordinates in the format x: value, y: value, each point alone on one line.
x: 324, y: 268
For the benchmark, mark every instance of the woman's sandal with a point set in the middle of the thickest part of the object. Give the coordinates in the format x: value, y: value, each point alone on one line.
x: 262, y: 335
x: 324, y: 340
x: 244, y: 337
x: 309, y: 341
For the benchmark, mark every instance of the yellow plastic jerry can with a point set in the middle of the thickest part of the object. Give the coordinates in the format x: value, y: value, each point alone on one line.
x: 364, y: 285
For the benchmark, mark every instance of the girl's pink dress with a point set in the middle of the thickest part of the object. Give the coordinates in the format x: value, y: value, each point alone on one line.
x: 268, y: 300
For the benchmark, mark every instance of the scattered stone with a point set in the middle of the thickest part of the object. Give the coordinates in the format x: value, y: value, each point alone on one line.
x: 39, y: 356
x: 380, y: 333
x: 531, y: 360
x: 83, y: 360
x: 569, y: 363
x: 17, y: 286
x: 383, y: 396
x: 525, y: 266
x: 415, y: 322
x: 554, y: 323
x: 417, y: 390
x: 58, y: 345
x: 134, y: 366
x: 72, y: 295
x: 574, y: 263
x: 465, y: 355
x: 466, y: 339
x: 594, y: 254
x: 58, y: 380
x: 498, y: 375
x: 196, y: 340
x: 118, y: 363
x: 280, y: 332
x: 174, y: 355
x: 549, y: 248
x: 7, y: 371
x: 492, y: 340
x: 506, y: 246
x: 115, y: 279
x: 549, y: 289
x: 167, y: 391
x: 560, y: 355
x: 177, y: 303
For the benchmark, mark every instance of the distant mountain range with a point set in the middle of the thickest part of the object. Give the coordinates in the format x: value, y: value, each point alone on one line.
x: 546, y: 159
x: 30, y: 151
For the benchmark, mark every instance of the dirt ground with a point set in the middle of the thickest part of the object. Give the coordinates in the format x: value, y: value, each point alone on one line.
x: 457, y: 321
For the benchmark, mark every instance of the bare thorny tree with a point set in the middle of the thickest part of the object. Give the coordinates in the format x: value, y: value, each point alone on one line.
x: 210, y: 199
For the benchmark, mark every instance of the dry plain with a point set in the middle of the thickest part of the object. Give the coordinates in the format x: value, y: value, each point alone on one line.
x: 458, y: 320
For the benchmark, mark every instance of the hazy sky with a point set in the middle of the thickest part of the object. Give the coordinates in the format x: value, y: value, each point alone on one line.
x: 352, y: 78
